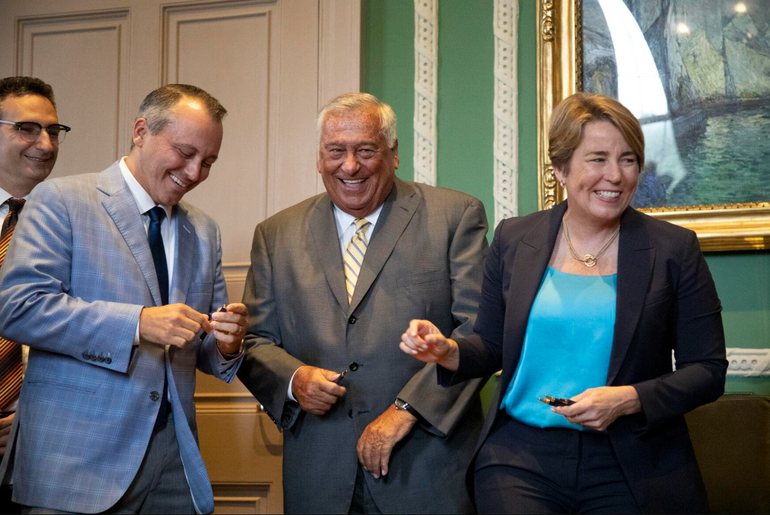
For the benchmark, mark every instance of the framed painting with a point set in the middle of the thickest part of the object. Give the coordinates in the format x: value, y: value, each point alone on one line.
x: 697, y: 75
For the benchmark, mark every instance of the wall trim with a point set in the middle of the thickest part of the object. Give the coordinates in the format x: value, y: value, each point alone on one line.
x: 235, y: 272
x: 425, y: 90
x: 218, y: 403
x: 748, y: 362
x: 506, y: 112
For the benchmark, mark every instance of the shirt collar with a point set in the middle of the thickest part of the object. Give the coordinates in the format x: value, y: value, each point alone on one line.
x: 344, y: 219
x: 4, y: 195
x: 143, y: 199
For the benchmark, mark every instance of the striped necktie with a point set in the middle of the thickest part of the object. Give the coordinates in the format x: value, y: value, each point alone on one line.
x: 11, y: 365
x: 354, y: 256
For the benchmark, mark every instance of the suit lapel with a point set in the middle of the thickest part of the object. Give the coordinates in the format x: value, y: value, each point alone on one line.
x: 184, y: 263
x: 398, y: 210
x: 532, y: 256
x: 636, y: 256
x: 121, y: 206
x: 323, y: 231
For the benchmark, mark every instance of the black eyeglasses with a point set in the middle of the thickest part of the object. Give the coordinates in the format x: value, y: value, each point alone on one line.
x: 30, y: 131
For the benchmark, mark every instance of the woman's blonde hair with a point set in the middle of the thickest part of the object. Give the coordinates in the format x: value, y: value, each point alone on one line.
x: 572, y: 114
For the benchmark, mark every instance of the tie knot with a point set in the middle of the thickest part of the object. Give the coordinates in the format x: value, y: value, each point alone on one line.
x: 15, y: 205
x: 361, y: 224
x: 156, y: 214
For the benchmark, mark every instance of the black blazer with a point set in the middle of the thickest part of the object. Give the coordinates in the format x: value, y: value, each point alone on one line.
x: 666, y: 300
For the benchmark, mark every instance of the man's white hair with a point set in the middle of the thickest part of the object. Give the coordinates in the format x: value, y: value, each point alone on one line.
x: 356, y: 102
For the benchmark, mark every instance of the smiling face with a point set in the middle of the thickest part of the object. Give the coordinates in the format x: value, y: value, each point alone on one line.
x: 357, y: 167
x: 601, y: 175
x: 24, y: 164
x: 179, y: 157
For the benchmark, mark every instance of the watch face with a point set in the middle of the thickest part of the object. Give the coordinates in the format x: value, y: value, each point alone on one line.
x: 401, y: 404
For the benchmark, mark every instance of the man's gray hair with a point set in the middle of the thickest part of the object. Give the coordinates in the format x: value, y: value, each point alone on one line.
x: 156, y: 107
x: 356, y: 102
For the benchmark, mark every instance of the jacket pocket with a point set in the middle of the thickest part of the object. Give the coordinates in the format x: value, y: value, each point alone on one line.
x: 422, y: 278
x: 59, y: 385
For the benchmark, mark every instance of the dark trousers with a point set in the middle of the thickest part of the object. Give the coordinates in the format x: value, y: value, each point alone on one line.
x: 6, y: 505
x: 523, y: 469
x: 363, y: 502
x: 160, y: 485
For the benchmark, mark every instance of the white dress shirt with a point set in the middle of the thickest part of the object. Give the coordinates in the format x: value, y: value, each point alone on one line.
x: 167, y: 226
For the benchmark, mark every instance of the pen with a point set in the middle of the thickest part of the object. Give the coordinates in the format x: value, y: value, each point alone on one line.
x: 220, y: 310
x: 555, y: 401
x: 339, y: 379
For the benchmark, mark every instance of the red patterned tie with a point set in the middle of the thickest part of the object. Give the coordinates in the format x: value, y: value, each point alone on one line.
x: 10, y: 352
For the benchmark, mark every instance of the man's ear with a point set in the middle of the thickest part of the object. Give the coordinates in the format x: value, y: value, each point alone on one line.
x: 395, y: 154
x: 140, y: 132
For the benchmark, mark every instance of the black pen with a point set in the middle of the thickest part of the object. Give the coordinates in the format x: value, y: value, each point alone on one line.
x: 220, y: 310
x: 339, y: 379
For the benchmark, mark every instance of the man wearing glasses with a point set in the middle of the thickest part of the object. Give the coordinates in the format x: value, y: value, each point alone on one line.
x: 30, y: 134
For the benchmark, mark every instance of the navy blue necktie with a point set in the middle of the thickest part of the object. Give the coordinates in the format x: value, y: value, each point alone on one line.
x: 158, y: 250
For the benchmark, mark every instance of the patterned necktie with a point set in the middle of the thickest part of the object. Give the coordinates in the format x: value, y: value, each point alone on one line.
x: 11, y: 365
x: 354, y: 255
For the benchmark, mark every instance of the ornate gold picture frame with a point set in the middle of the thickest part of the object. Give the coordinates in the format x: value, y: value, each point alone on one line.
x: 743, y: 226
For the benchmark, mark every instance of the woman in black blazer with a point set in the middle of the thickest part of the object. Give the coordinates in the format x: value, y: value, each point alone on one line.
x: 588, y: 301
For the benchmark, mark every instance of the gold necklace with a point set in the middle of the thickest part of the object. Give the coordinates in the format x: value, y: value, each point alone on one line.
x: 588, y: 260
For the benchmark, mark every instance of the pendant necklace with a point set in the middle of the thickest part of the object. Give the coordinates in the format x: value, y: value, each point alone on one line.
x: 588, y: 260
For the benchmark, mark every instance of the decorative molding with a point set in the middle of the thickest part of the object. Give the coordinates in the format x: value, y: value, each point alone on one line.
x: 425, y: 88
x: 235, y: 272
x: 218, y: 403
x: 748, y: 362
x: 506, y: 144
x: 232, y: 497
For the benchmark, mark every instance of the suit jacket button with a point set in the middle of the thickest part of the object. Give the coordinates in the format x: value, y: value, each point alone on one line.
x: 108, y: 360
x: 154, y: 396
x: 353, y: 366
x: 350, y: 413
x: 352, y: 320
x: 100, y: 359
x: 86, y: 355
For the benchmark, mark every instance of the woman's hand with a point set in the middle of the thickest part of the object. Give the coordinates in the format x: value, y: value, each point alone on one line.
x: 423, y: 341
x: 597, y: 408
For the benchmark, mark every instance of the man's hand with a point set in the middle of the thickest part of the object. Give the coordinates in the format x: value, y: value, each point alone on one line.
x: 230, y: 327
x: 378, y: 439
x: 5, y: 432
x: 423, y: 341
x: 315, y: 389
x: 173, y: 324
x: 597, y: 408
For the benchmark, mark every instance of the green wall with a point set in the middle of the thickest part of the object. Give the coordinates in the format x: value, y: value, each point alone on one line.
x: 465, y: 133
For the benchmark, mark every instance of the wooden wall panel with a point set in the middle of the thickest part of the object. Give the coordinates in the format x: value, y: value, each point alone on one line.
x: 237, y: 71
x: 84, y: 57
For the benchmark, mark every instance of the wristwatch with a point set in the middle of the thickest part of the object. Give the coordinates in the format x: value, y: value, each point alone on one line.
x: 402, y: 405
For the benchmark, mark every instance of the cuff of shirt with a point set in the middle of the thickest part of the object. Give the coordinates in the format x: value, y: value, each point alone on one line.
x: 289, y: 395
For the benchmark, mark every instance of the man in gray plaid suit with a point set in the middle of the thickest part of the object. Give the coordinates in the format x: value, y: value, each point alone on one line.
x: 110, y: 282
